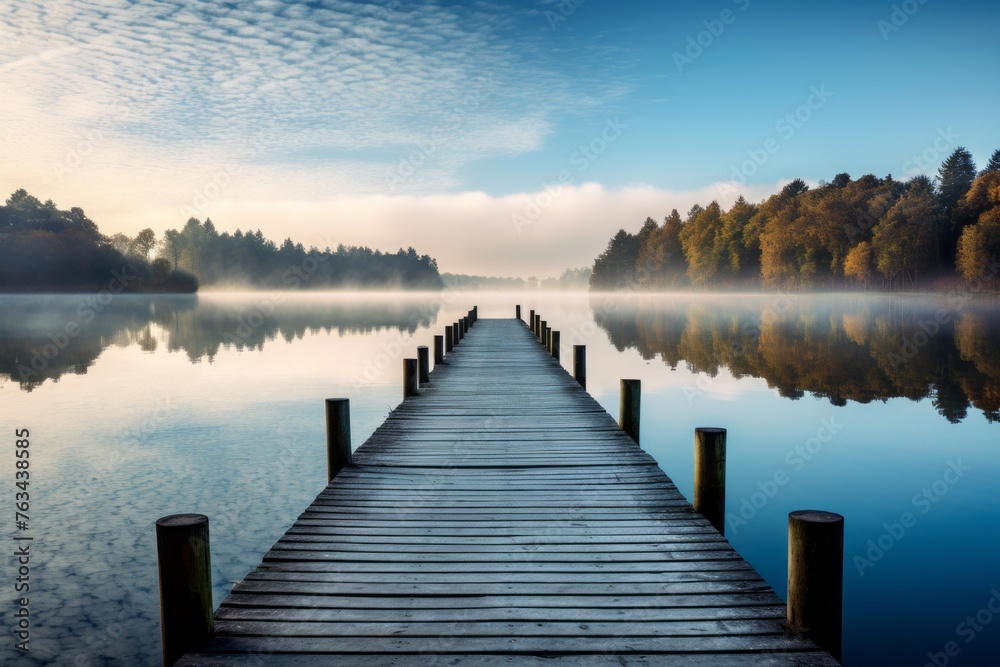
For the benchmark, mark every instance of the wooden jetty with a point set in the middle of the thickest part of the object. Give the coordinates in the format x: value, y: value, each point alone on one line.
x: 501, y: 517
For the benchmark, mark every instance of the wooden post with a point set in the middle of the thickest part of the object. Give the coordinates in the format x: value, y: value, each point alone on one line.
x: 411, y: 378
x: 554, y: 344
x: 580, y: 364
x: 185, y: 574
x: 628, y: 408
x: 457, y: 334
x: 449, y: 344
x: 423, y: 364
x: 543, y: 333
x: 816, y: 578
x: 465, y: 325
x: 475, y: 314
x: 338, y: 436
x: 531, y: 320
x: 710, y: 475
x: 438, y: 349
x: 538, y: 326
x: 517, y: 312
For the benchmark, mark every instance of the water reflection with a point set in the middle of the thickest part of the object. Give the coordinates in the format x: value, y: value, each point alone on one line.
x: 840, y: 348
x: 45, y: 337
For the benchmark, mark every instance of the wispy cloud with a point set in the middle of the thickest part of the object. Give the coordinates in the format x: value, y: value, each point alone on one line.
x: 178, y: 86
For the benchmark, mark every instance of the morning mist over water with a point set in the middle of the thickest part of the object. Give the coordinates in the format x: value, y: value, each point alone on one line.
x: 213, y: 404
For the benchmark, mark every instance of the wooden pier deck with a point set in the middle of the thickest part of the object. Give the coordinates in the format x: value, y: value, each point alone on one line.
x: 502, y: 517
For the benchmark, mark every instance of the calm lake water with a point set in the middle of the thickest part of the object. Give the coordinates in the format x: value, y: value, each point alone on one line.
x: 880, y: 408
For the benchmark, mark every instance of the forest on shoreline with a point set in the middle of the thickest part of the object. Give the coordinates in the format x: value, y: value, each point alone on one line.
x: 45, y: 249
x: 846, y: 234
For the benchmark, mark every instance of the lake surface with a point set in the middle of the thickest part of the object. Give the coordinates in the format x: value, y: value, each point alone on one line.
x: 884, y: 409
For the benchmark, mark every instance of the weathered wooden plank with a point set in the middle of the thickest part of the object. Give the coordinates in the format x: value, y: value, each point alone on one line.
x: 504, y: 614
x: 464, y: 578
x: 486, y: 588
x: 556, y: 603
x: 349, y: 630
x: 523, y: 567
x: 511, y: 644
x: 653, y: 540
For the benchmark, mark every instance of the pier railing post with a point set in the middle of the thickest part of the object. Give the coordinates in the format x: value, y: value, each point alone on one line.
x: 475, y: 314
x: 517, y: 312
x: 465, y: 325
x: 710, y: 475
x: 543, y: 334
x: 449, y: 344
x: 456, y: 333
x: 554, y: 344
x: 185, y: 577
x: 423, y: 364
x: 628, y: 408
x: 538, y: 326
x: 531, y: 320
x: 338, y: 436
x: 816, y: 578
x: 580, y: 364
x: 411, y: 378
x: 438, y: 349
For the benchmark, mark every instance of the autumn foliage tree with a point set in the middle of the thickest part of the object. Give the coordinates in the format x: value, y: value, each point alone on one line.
x: 862, y: 232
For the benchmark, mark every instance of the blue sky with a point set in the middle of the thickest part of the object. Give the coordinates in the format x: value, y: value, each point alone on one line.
x: 505, y: 138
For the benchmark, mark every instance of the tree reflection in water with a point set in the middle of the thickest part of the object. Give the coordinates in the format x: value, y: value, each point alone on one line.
x: 44, y: 337
x: 842, y: 348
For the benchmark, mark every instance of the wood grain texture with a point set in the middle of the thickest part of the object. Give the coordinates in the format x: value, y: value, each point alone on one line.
x: 501, y: 517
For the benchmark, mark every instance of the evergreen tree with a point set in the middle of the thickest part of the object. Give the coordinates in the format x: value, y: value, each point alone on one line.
x: 994, y: 163
x: 615, y: 267
x: 955, y: 177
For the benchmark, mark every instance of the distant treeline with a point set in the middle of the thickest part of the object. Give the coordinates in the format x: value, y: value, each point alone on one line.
x: 43, y: 248
x: 251, y: 260
x: 868, y: 232
x: 571, y: 279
